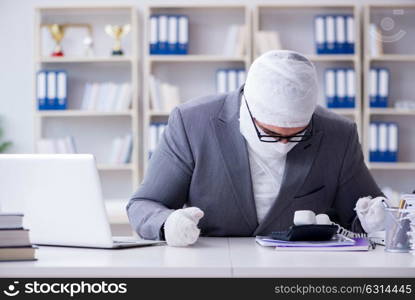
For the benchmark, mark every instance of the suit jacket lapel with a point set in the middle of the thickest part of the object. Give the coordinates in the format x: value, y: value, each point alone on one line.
x: 298, y: 165
x: 235, y: 157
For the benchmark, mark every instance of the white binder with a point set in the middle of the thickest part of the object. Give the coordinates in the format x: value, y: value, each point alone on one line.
x: 383, y: 140
x: 330, y: 87
x: 232, y: 80
x: 172, y: 36
x: 340, y: 31
x: 62, y: 94
x: 51, y: 93
x: 341, y: 87
x: 153, y: 34
x: 41, y: 89
x: 241, y: 77
x: 330, y: 33
x: 162, y: 34
x: 221, y: 84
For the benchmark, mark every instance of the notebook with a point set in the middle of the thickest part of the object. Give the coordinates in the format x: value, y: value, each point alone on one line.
x: 340, y: 243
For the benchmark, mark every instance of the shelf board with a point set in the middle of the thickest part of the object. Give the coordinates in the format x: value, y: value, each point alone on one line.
x: 66, y: 7
x: 391, y: 111
x: 112, y: 167
x: 305, y: 5
x: 195, y: 58
x: 392, y: 166
x: 332, y: 57
x: 345, y: 111
x: 82, y: 113
x: 159, y: 114
x: 394, y: 57
x: 84, y: 59
x: 191, y: 5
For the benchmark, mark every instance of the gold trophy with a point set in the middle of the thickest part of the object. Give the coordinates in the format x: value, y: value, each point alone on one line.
x: 57, y: 31
x: 117, y: 32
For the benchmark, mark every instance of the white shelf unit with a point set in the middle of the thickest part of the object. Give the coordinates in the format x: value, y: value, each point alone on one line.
x: 291, y: 19
x: 399, y: 58
x: 194, y: 73
x: 118, y: 180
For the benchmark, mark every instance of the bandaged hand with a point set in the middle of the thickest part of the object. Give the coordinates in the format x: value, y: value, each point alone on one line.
x: 180, y: 228
x: 371, y: 213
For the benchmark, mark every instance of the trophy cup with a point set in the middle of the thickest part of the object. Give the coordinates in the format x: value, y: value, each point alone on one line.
x: 117, y: 32
x: 57, y: 31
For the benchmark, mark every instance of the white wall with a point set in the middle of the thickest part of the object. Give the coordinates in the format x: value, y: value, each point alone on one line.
x: 16, y: 60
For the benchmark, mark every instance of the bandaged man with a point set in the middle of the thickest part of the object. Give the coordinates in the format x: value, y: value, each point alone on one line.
x: 241, y: 163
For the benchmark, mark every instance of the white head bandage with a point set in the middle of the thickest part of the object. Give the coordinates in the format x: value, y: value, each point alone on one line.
x: 281, y: 89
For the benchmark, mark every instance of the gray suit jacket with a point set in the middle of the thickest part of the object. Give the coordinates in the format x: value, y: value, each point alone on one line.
x: 202, y: 160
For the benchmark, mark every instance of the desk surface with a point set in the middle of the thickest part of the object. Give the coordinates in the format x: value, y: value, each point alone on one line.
x: 210, y: 257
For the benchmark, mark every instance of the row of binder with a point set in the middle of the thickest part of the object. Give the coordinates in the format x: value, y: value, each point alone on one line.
x: 121, y: 150
x: 107, y: 96
x: 334, y: 34
x: 378, y: 87
x: 340, y: 88
x: 383, y: 142
x: 169, y: 34
x: 156, y: 131
x: 64, y: 145
x: 228, y: 80
x: 51, y: 91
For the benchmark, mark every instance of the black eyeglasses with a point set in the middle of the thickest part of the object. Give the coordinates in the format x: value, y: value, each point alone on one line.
x: 274, y: 138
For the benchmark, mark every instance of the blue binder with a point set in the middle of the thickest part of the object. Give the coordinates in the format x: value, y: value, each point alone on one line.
x: 379, y: 87
x: 61, y: 90
x: 350, y: 88
x: 154, y: 34
x: 162, y: 34
x: 320, y: 34
x: 41, y: 89
x: 350, y: 38
x: 173, y: 34
x: 330, y: 34
x: 183, y: 34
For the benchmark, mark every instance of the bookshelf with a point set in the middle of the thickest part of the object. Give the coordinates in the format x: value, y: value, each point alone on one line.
x: 398, y: 56
x: 118, y: 180
x: 197, y: 69
x: 289, y: 19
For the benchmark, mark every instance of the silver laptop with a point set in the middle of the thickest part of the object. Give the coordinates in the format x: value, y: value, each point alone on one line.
x: 61, y: 198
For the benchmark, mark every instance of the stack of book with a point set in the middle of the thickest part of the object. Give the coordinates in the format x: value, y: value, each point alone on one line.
x: 14, y: 240
x: 378, y: 87
x: 107, y: 97
x: 383, y: 143
x: 228, y: 80
x: 51, y: 89
x: 121, y: 150
x: 169, y: 34
x: 235, y: 41
x: 267, y: 41
x: 64, y: 145
x: 334, y: 34
x: 340, y: 88
x: 156, y: 131
x: 163, y: 96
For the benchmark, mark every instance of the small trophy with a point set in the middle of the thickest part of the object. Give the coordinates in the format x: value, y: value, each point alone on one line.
x: 117, y: 32
x: 57, y: 31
